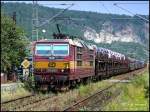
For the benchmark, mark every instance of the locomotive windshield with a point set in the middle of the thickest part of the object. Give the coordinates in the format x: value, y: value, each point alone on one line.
x: 61, y: 49
x: 52, y: 49
x: 43, y: 49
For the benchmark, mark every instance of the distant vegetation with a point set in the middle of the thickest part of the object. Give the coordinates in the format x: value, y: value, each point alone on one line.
x: 77, y: 27
x: 74, y: 27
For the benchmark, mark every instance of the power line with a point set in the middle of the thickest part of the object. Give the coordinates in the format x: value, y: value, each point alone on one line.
x: 72, y: 20
x: 35, y: 19
x: 125, y: 18
x: 69, y: 18
x: 105, y: 7
x: 62, y: 11
x: 115, y: 4
x: 56, y: 4
x: 130, y: 3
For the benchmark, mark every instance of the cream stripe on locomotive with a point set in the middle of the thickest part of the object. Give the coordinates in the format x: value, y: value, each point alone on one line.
x: 60, y: 65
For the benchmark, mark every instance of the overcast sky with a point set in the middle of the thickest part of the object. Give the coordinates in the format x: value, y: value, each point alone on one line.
x: 136, y: 7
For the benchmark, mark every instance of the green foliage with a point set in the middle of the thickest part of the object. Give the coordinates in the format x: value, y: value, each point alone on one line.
x: 13, y: 44
x: 29, y: 84
x: 83, y: 90
x: 76, y: 27
x: 134, y: 96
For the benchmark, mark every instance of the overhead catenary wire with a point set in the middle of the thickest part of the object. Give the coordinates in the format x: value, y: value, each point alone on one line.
x: 125, y: 18
x: 71, y: 20
x: 115, y: 4
x: 105, y: 7
x: 56, y: 4
x: 134, y: 19
x: 62, y: 11
x: 130, y: 3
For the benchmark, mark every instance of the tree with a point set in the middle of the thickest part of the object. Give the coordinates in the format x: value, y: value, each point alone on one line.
x: 13, y: 44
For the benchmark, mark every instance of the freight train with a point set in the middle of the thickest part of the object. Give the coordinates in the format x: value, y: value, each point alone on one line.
x: 63, y: 62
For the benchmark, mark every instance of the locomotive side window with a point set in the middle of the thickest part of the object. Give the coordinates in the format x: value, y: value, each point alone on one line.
x: 79, y: 63
x: 79, y: 49
x: 91, y: 63
x: 43, y: 49
x: 79, y: 56
x: 91, y: 51
x: 91, y: 57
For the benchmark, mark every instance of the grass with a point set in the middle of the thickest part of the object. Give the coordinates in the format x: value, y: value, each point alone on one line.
x: 65, y: 99
x: 62, y: 99
x: 134, y: 96
x: 85, y: 90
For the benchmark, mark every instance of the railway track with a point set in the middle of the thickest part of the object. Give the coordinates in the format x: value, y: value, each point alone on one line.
x: 13, y: 100
x: 35, y: 104
x: 100, y: 95
x: 103, y: 96
x: 23, y: 102
x: 33, y: 101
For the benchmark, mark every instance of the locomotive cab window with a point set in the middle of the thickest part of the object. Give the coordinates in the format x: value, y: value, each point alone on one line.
x: 61, y: 49
x: 43, y: 49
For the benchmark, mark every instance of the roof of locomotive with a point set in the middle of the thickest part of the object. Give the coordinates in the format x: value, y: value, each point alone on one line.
x: 53, y: 40
x: 75, y: 42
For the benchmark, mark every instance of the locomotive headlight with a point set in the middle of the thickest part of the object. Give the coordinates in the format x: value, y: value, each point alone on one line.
x: 62, y: 70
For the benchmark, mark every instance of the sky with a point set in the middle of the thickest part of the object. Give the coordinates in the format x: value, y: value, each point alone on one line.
x: 135, y: 7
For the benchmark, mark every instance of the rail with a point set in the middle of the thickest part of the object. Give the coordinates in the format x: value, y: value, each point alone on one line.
x: 80, y: 103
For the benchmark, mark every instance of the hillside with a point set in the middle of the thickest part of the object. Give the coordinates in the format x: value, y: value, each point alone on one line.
x: 123, y: 35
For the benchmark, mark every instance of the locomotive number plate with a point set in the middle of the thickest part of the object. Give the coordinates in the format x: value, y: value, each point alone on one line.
x: 51, y: 64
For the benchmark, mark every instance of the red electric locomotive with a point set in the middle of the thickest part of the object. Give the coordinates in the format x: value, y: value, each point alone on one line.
x: 58, y: 62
